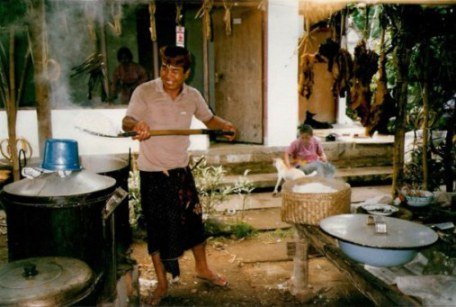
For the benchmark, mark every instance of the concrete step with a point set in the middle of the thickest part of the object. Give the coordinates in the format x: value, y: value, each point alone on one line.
x: 236, y: 158
x: 357, y: 175
x: 265, y: 200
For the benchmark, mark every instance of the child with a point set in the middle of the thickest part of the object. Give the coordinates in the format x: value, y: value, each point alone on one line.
x: 306, y: 153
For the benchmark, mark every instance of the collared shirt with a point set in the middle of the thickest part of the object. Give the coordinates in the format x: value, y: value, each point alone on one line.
x: 305, y: 152
x: 151, y: 104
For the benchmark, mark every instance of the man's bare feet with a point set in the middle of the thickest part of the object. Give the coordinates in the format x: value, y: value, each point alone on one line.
x: 213, y: 278
x: 155, y: 298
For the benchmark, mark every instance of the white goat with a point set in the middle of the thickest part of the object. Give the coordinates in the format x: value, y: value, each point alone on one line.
x: 285, y: 173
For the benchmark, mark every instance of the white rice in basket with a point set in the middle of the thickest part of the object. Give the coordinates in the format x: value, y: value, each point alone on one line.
x: 314, y: 187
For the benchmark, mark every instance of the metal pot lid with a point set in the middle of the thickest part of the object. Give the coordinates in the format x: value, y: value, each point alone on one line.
x: 46, y: 281
x: 102, y: 163
x: 400, y: 234
x: 52, y: 185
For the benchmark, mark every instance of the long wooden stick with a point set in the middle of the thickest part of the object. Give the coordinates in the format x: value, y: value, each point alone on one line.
x: 12, y: 109
x: 163, y: 132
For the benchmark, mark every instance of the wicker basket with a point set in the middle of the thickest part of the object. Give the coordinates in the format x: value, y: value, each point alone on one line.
x: 310, y: 208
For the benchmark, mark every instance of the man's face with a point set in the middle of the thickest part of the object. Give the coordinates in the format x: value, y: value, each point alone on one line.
x: 173, y: 77
x: 305, y: 138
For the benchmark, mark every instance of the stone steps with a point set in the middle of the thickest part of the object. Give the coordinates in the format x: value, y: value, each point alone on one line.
x: 236, y: 158
x: 357, y: 175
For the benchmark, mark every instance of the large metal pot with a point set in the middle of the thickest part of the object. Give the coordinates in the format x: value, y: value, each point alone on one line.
x: 46, y: 281
x: 55, y: 216
x: 397, y: 244
x: 119, y: 169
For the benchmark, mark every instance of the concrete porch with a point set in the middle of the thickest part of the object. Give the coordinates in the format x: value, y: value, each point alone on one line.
x: 359, y: 159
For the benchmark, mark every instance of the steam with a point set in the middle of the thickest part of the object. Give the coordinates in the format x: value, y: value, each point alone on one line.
x: 69, y: 43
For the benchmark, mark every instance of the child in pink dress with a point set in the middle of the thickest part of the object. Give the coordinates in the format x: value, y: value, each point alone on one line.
x: 306, y: 153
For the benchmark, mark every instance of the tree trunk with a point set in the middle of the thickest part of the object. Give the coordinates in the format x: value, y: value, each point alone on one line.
x: 448, y: 160
x: 402, y: 60
x: 37, y: 29
x: 104, y: 54
x: 11, y: 108
x: 425, y: 125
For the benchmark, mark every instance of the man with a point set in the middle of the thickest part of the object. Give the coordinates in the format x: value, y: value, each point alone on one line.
x: 169, y: 198
x: 127, y: 76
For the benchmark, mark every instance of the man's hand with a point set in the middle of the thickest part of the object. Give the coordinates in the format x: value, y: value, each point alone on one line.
x: 219, y: 123
x: 228, y: 126
x: 143, y: 131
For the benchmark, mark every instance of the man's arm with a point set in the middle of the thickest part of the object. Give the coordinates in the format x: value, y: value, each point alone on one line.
x: 131, y: 124
x: 219, y: 123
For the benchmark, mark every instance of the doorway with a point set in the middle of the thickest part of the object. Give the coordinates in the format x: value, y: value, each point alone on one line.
x: 238, y: 75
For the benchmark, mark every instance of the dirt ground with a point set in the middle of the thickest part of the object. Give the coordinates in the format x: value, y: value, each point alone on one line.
x: 258, y: 271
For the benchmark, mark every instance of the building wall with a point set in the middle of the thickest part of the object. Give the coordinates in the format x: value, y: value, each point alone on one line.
x: 283, y: 31
x: 64, y: 124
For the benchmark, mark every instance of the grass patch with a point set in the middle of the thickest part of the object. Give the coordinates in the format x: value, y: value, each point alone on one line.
x: 238, y: 230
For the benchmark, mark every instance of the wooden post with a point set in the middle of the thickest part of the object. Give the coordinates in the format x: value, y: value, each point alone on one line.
x: 300, y: 277
x: 425, y: 126
x: 375, y: 289
x: 153, y: 37
x: 39, y: 55
x: 206, y: 66
x: 11, y: 107
x: 156, y: 59
x: 104, y: 54
x: 402, y: 60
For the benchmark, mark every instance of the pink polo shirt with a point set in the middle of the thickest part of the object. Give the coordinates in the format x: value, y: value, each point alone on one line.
x: 310, y: 152
x: 151, y: 104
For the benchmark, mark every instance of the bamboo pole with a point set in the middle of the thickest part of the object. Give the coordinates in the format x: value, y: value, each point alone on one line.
x: 11, y: 108
x: 153, y: 37
x: 206, y: 67
x: 425, y: 125
x: 300, y: 279
x: 42, y: 90
x: 402, y: 60
x: 104, y: 54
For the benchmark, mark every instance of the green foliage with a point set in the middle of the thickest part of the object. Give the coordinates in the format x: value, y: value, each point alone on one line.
x: 209, y: 184
x: 238, y: 230
x: 208, y: 180
x: 11, y: 11
x: 413, y: 173
x: 136, y: 217
x: 242, y: 230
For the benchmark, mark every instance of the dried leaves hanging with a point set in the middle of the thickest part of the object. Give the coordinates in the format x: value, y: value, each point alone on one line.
x: 340, y: 65
x: 227, y: 16
x: 89, y: 13
x: 205, y: 13
x: 366, y: 65
x: 306, y: 75
x: 383, y: 106
x: 94, y: 66
x: 179, y: 14
x: 116, y: 14
x: 153, y: 27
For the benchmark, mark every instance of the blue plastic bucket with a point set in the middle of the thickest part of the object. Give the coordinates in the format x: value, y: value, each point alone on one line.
x: 61, y: 154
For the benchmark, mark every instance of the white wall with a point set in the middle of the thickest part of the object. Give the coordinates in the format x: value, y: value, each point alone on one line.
x: 283, y: 33
x: 64, y: 124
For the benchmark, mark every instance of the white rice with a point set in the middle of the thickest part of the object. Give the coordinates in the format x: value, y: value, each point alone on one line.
x: 314, y: 187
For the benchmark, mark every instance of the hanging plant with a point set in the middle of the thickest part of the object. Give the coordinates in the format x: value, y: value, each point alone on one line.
x: 227, y: 16
x: 205, y: 13
x: 153, y: 28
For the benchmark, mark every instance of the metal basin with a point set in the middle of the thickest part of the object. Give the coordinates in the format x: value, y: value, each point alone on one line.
x: 376, y: 256
x: 360, y: 241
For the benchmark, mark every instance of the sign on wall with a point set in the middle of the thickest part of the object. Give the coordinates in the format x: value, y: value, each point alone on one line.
x: 180, y: 36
